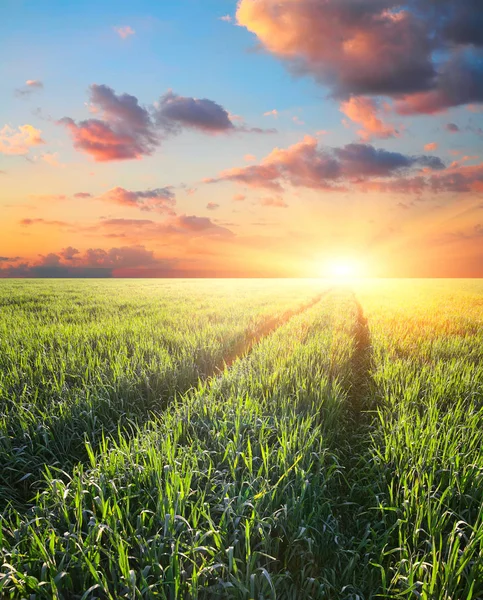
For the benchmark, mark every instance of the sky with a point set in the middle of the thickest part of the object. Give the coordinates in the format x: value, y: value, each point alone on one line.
x: 258, y: 138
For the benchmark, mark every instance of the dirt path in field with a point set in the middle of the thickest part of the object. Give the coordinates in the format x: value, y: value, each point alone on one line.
x: 362, y: 362
x: 250, y: 341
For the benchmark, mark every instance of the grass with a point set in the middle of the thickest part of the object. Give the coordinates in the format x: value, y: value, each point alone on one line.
x: 339, y: 456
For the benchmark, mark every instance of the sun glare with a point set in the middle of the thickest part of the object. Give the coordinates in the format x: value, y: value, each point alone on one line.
x: 344, y: 268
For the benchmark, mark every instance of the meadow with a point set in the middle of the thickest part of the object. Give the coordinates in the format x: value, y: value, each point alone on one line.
x: 245, y: 439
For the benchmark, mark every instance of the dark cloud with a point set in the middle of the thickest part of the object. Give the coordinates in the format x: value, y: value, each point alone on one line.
x: 94, y: 262
x: 175, y: 112
x: 82, y: 195
x: 10, y: 258
x: 427, y: 54
x: 452, y: 127
x: 122, y: 129
x: 307, y: 165
x: 212, y: 206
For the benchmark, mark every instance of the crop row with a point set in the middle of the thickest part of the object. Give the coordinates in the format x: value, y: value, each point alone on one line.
x: 80, y: 361
x: 224, y: 494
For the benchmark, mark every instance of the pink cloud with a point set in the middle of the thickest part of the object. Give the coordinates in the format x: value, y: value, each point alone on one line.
x: 364, y: 111
x: 239, y: 197
x: 212, y: 206
x: 124, y: 131
x: 249, y: 158
x: 124, y: 31
x: 378, y: 47
x: 431, y: 147
x: 306, y: 164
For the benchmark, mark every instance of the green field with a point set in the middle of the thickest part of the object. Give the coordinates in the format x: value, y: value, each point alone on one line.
x: 248, y: 439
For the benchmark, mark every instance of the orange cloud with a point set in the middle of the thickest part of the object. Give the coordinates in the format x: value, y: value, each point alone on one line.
x: 276, y: 202
x: 52, y: 159
x: 19, y: 142
x: 431, y: 147
x: 364, y: 112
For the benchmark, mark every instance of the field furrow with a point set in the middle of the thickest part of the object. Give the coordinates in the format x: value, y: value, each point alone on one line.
x: 224, y: 495
x: 86, y: 365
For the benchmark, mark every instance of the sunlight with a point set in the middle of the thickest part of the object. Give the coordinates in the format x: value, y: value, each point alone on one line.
x: 344, y: 268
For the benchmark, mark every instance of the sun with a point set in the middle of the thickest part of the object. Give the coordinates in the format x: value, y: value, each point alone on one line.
x: 344, y: 268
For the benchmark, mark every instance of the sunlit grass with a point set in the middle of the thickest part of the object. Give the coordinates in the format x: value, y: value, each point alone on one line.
x: 336, y: 459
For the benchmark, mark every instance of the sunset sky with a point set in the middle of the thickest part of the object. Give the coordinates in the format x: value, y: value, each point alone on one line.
x: 258, y: 138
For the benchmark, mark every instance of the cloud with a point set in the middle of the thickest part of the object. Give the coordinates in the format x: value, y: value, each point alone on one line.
x: 10, y: 258
x: 458, y: 82
x: 161, y: 200
x: 427, y: 57
x: 305, y: 164
x: 452, y: 127
x: 178, y: 225
x: 431, y: 147
x: 175, y: 112
x: 364, y: 111
x: 93, y: 262
x: 271, y: 113
x: 124, y: 31
x: 239, y: 197
x: 29, y: 222
x: 82, y: 195
x: 52, y: 159
x: 31, y: 85
x: 455, y: 179
x: 47, y: 197
x: 124, y: 131
x: 226, y: 18
x: 274, y: 202
x: 19, y: 142
x: 212, y: 206
x: 69, y: 253
x: 249, y: 158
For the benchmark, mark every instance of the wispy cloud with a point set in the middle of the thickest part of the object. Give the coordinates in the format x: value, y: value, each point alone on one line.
x: 124, y: 31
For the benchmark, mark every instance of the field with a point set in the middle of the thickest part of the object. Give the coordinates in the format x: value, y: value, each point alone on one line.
x: 244, y: 439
